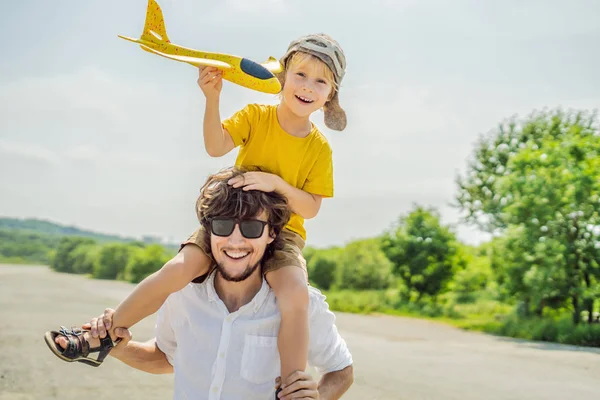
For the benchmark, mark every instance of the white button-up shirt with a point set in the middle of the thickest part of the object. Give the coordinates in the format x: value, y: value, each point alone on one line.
x: 217, y: 355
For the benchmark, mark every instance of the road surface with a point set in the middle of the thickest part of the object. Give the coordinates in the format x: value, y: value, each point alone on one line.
x: 395, y: 358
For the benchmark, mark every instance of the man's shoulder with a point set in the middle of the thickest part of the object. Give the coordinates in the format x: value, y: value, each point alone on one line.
x: 317, y: 300
x: 315, y: 294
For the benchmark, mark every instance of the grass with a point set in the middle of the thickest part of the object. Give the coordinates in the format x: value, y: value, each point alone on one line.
x: 481, y: 313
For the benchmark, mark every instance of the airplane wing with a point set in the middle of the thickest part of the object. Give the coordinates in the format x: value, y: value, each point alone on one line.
x: 198, y: 62
x: 273, y: 65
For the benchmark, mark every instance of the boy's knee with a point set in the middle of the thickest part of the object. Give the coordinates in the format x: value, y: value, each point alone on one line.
x: 294, y: 297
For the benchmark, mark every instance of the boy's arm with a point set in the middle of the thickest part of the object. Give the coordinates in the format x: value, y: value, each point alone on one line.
x: 151, y: 293
x: 306, y: 202
x: 306, y: 205
x: 217, y: 140
x: 331, y: 386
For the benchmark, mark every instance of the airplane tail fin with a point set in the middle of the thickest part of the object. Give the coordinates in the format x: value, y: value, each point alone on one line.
x: 154, y: 27
x: 273, y: 65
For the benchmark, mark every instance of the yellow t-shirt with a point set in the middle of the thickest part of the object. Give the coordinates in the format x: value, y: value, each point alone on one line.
x: 305, y: 163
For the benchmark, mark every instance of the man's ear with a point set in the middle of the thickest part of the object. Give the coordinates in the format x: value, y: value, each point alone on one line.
x: 272, y: 236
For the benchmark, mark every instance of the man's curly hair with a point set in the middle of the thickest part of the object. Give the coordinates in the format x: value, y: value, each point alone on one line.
x: 219, y: 199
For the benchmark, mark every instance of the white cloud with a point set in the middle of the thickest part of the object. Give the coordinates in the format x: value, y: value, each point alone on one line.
x: 229, y: 11
x: 29, y: 151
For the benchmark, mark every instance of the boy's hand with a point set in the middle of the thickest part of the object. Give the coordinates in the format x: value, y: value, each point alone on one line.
x: 262, y: 181
x: 99, y: 326
x: 210, y: 81
x: 299, y: 385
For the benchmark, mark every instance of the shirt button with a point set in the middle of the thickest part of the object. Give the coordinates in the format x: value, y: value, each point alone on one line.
x: 229, y: 319
x: 215, y: 389
x: 222, y: 355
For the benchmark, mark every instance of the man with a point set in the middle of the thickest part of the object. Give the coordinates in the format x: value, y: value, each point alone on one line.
x: 219, y: 336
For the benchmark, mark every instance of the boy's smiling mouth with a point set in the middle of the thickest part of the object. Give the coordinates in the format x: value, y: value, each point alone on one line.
x: 304, y: 99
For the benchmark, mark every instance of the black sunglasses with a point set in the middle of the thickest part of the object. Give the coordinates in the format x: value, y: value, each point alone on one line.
x: 250, y: 228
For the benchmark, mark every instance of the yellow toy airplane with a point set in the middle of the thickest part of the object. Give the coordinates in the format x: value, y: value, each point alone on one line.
x: 241, y: 71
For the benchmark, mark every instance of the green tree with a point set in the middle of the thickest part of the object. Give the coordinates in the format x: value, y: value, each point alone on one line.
x: 308, y: 252
x: 422, y: 252
x: 145, y: 261
x: 473, y: 272
x: 63, y: 259
x: 24, y: 246
x: 363, y: 265
x: 322, y: 267
x: 112, y: 260
x: 84, y: 258
x: 540, y: 176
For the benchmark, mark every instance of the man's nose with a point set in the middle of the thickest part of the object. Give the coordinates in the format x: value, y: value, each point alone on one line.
x: 236, y: 236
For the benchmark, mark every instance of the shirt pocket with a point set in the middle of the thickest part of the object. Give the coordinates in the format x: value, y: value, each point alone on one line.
x: 260, y: 359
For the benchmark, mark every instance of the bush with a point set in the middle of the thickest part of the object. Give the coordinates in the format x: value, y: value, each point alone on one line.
x: 26, y: 247
x: 63, y: 259
x: 475, y: 276
x: 322, y: 267
x: 144, y: 262
x: 560, y: 330
x: 112, y: 260
x: 363, y: 302
x: 586, y: 335
x: 84, y: 258
x: 363, y: 266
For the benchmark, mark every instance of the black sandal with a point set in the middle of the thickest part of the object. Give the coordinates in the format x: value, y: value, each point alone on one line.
x: 78, y: 349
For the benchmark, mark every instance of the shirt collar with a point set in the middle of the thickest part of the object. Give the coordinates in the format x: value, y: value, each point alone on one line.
x: 255, y: 304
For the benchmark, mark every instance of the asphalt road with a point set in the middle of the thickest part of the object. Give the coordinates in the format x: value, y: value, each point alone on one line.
x: 394, y: 358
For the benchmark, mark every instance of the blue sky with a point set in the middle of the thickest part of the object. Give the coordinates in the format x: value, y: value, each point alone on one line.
x: 97, y: 133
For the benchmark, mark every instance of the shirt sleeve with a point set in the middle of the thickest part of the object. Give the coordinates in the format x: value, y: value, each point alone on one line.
x: 327, y: 351
x: 239, y: 124
x: 165, y: 337
x: 320, y: 178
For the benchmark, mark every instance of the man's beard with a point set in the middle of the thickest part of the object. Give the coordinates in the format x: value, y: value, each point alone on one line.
x: 247, y: 272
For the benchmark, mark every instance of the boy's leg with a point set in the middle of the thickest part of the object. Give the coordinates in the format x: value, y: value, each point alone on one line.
x: 291, y: 289
x: 285, y: 272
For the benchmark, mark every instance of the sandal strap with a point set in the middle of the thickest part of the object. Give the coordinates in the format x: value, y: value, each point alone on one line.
x: 106, y: 345
x: 77, y: 345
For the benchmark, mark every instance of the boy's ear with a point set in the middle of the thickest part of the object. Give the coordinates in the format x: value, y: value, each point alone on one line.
x: 281, y: 77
